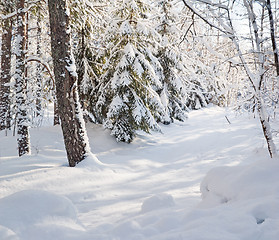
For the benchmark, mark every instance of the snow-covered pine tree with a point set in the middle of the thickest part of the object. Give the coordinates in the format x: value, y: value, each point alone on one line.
x: 174, y: 94
x: 127, y: 98
x: 87, y: 24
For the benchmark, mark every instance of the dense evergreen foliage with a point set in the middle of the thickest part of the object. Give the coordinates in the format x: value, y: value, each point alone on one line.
x: 133, y: 67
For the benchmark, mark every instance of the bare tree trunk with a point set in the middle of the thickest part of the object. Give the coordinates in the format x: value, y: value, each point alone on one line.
x: 73, y: 128
x: 26, y: 45
x: 266, y: 129
x: 81, y: 69
x: 56, y: 113
x: 272, y: 34
x: 5, y: 76
x: 20, y: 82
x: 39, y: 68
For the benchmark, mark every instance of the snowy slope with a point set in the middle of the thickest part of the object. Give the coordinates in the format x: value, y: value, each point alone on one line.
x: 149, y: 189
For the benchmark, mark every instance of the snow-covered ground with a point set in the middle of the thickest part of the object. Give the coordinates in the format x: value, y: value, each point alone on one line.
x: 149, y: 189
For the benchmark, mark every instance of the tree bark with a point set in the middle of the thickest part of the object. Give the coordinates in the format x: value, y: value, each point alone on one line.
x: 20, y: 82
x: 266, y: 130
x: 81, y: 69
x: 74, y: 132
x: 272, y: 34
x: 56, y: 120
x: 5, y: 77
x: 39, y: 68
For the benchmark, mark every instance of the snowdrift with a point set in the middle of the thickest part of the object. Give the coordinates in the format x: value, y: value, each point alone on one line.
x: 241, y: 201
x: 36, y: 214
x: 204, y: 179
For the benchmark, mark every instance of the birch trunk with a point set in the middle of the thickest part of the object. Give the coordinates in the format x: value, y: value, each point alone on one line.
x: 272, y: 34
x: 266, y: 129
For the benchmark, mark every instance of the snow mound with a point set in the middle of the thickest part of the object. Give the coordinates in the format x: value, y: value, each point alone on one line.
x: 230, y: 184
x: 238, y: 202
x: 156, y: 202
x: 92, y: 163
x: 23, y: 209
x: 149, y: 223
x: 128, y: 230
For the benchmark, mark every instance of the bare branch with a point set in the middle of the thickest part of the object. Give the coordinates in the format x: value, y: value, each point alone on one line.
x: 45, y: 65
x: 191, y: 8
x: 209, y: 2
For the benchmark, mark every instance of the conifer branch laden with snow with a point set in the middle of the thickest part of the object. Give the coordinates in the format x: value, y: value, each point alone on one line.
x: 174, y: 93
x: 134, y: 59
x: 86, y: 23
x: 127, y: 93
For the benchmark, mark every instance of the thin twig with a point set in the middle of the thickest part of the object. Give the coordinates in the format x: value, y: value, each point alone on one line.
x: 228, y: 120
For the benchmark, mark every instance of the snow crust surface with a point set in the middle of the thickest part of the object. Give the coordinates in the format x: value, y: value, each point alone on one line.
x: 204, y: 179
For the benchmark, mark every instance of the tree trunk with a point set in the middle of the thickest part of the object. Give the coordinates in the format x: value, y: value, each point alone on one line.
x: 5, y: 77
x: 81, y: 69
x: 266, y: 130
x: 73, y: 128
x: 272, y: 34
x: 20, y: 82
x: 56, y: 113
x: 39, y: 68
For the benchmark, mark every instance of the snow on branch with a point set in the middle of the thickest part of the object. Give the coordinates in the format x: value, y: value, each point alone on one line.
x: 218, y: 5
x: 24, y: 10
x: 216, y: 53
x: 10, y: 15
x: 192, y: 9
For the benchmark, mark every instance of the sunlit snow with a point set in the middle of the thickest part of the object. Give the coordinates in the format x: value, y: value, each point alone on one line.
x: 149, y: 189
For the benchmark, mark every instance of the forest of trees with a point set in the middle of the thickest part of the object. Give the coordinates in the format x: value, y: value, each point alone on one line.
x: 134, y: 64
